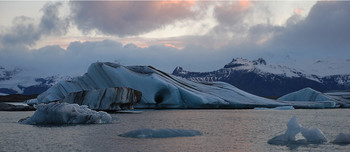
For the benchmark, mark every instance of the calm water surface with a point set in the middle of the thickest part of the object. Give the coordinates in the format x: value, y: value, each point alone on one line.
x: 223, y: 130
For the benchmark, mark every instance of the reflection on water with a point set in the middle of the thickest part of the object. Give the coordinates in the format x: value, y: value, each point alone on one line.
x: 223, y: 130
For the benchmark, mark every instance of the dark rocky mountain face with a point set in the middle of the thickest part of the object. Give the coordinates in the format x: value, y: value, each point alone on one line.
x: 251, y: 77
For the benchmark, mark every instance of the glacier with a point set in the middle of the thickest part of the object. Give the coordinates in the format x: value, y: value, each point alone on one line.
x: 159, y: 89
x: 64, y: 113
x: 160, y: 133
x: 312, y: 136
x: 24, y: 81
x: 310, y: 98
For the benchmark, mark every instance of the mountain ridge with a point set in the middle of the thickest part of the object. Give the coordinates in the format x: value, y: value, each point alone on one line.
x: 269, y: 80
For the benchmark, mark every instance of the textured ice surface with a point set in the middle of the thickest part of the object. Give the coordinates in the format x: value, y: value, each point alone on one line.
x: 309, y: 95
x: 161, y: 133
x: 342, y: 139
x: 64, y: 113
x: 105, y: 99
x: 314, y: 135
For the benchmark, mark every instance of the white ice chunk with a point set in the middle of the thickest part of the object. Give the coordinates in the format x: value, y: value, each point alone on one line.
x: 314, y: 135
x: 293, y: 128
x: 32, y: 101
x: 64, y: 113
x: 161, y: 133
x: 342, y: 139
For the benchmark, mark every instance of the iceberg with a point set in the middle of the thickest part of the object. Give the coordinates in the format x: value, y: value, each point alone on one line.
x: 340, y: 97
x: 159, y: 89
x: 160, y: 133
x: 312, y: 136
x: 64, y: 113
x: 342, y: 139
x: 308, y: 98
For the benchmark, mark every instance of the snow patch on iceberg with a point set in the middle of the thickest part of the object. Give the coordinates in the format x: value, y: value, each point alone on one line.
x: 64, y: 113
x: 312, y: 136
x: 160, y: 133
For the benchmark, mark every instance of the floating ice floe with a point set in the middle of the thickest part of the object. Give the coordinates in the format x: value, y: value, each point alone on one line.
x: 161, y: 133
x: 312, y: 136
x: 308, y: 98
x: 276, y: 108
x: 342, y: 138
x: 64, y: 113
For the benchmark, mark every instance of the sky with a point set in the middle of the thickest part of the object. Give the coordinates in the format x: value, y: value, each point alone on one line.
x: 65, y: 37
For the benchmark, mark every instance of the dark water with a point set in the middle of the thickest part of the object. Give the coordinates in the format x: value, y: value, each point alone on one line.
x: 223, y: 130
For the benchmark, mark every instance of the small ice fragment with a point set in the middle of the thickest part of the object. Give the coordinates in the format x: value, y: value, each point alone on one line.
x: 160, y: 133
x: 342, y: 139
x: 313, y: 135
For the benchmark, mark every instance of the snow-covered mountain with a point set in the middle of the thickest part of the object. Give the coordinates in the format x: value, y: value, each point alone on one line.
x: 19, y: 81
x: 272, y: 80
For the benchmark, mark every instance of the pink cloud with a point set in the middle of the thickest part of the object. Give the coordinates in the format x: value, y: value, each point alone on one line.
x: 129, y: 17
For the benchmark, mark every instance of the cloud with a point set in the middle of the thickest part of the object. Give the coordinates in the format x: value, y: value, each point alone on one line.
x: 326, y: 28
x: 232, y: 14
x: 125, y: 18
x: 24, y: 32
x: 324, y: 32
x: 50, y: 22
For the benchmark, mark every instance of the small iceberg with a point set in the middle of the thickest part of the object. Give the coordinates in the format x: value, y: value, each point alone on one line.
x: 276, y: 108
x: 308, y: 98
x: 342, y: 139
x: 64, y: 113
x: 160, y: 133
x: 312, y: 136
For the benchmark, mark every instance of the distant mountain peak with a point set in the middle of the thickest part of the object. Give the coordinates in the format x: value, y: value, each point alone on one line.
x: 240, y: 62
x: 259, y: 61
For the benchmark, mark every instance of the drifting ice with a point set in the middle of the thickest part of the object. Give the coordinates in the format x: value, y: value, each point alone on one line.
x: 161, y: 133
x: 308, y: 98
x: 342, y: 139
x: 314, y: 135
x: 64, y: 113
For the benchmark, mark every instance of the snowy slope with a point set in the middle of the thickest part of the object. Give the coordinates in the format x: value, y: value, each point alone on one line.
x: 18, y: 81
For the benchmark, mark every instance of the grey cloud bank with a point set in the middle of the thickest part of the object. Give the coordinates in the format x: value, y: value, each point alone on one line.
x: 323, y: 33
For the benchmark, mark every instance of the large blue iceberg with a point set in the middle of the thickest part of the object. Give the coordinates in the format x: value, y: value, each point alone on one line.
x: 159, y: 89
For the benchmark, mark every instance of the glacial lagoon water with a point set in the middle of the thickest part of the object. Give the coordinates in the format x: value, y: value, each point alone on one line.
x: 222, y: 130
